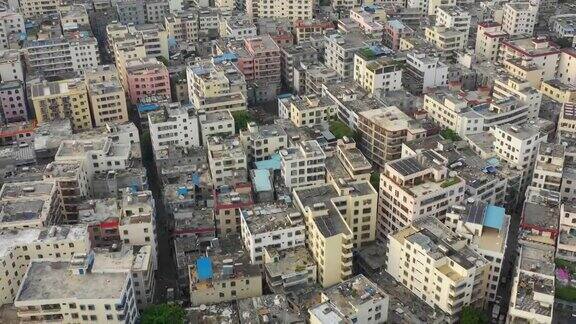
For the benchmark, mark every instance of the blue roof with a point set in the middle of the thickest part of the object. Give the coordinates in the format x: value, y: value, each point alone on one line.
x: 284, y: 95
x: 229, y: 56
x: 204, y: 268
x: 273, y: 163
x: 494, y: 217
x: 262, y: 180
x: 196, y: 178
x: 183, y: 191
x: 148, y: 107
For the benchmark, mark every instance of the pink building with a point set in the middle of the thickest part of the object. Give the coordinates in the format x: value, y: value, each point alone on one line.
x: 393, y: 31
x: 147, y: 77
x: 259, y: 60
x: 12, y: 102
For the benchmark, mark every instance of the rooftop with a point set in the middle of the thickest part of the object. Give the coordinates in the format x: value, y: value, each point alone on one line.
x: 538, y: 258
x: 351, y: 294
x: 51, y: 280
x: 224, y: 262
x: 289, y: 261
x: 266, y: 309
x: 391, y: 119
x: 264, y: 218
x: 18, y: 237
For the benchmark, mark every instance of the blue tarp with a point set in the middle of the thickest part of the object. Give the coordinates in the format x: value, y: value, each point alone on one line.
x: 494, y: 217
x: 229, y: 56
x: 204, y: 268
x: 148, y: 107
x: 183, y: 191
x: 262, y: 180
x: 271, y: 164
x: 196, y: 179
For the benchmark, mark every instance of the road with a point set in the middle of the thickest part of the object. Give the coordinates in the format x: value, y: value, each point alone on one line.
x: 166, y: 274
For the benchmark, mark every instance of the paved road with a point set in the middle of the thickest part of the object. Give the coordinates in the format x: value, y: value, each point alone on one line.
x: 166, y: 274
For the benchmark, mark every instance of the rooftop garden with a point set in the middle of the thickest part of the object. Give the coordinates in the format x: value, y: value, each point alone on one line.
x: 565, y: 280
x: 367, y: 53
x: 339, y: 129
x: 450, y: 182
x: 449, y: 134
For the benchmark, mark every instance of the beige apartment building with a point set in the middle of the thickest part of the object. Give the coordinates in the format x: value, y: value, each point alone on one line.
x: 540, y: 51
x: 383, y: 132
x: 68, y: 292
x: 34, y: 8
x: 216, y: 86
x: 486, y: 228
x: 230, y: 277
x: 263, y: 141
x: 519, y: 18
x: 415, y: 187
x: 292, y: 9
x: 21, y: 246
x: 329, y: 240
x: 73, y: 183
x: 307, y: 110
x: 489, y: 35
x: 558, y: 91
x: 227, y: 159
x: 356, y: 203
x: 107, y: 96
x: 347, y: 163
x: 437, y: 266
x: 62, y: 99
x: 446, y: 39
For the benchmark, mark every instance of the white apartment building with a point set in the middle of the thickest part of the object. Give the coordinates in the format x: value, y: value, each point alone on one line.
x: 566, y: 127
x: 138, y: 221
x: 415, y: 187
x: 303, y: 165
x: 289, y: 268
x: 539, y: 51
x: 549, y: 166
x: 264, y: 226
x: 437, y: 266
x: 489, y: 35
x: 381, y: 74
x: 357, y: 300
x: 425, y: 71
x: 453, y: 17
x: 100, y: 155
x: 486, y: 228
x: 182, y: 26
x: 174, y: 125
x: 74, y: 55
x: 519, y: 18
x: 567, y: 67
x: 66, y: 292
x: 11, y: 65
x: 518, y: 145
x: 292, y: 9
x: 262, y: 141
x: 340, y: 50
x: 135, y: 260
x: 216, y: 86
x: 451, y: 111
x: 21, y: 246
x: 434, y: 5
x: 227, y: 159
x: 216, y: 123
x: 30, y: 204
x: 532, y: 296
x: 237, y: 27
x: 11, y: 25
x: 525, y: 94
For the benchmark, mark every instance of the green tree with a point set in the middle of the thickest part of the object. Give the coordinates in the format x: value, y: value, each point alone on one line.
x: 375, y: 179
x: 448, y: 133
x: 339, y: 129
x: 565, y: 42
x: 163, y: 314
x: 163, y: 60
x: 241, y: 119
x: 473, y: 316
